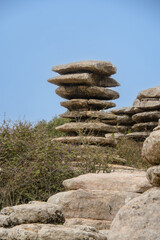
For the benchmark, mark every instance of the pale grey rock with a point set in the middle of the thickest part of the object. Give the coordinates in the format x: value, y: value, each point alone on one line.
x: 88, y: 114
x: 150, y: 93
x: 4, y: 233
x: 146, y: 116
x: 98, y: 224
x: 130, y: 181
x: 144, y: 126
x: 50, y: 232
x: 82, y: 127
x: 100, y: 67
x: 87, y: 104
x: 31, y: 213
x: 147, y: 104
x: 151, y: 148
x: 139, y: 219
x: 82, y: 91
x: 84, y: 79
x: 91, y: 204
x: 86, y: 140
x: 140, y: 136
x: 153, y: 175
x: 124, y: 120
x: 115, y: 135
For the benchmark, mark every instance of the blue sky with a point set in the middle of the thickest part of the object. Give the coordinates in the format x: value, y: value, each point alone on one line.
x: 36, y: 35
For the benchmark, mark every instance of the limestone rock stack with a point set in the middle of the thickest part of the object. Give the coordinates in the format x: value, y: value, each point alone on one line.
x: 86, y: 86
x: 147, y: 108
x: 151, y: 153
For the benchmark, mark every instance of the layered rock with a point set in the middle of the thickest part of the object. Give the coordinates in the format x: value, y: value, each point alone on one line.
x: 147, y: 113
x: 86, y: 85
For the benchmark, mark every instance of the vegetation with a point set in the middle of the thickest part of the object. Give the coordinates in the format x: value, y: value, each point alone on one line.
x: 33, y: 167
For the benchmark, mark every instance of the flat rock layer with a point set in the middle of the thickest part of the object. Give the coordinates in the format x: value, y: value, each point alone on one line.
x: 50, y: 232
x: 138, y: 219
x: 88, y: 114
x: 84, y: 79
x: 150, y: 93
x: 147, y: 104
x: 82, y: 127
x: 131, y: 181
x: 87, y: 104
x: 145, y: 126
x: 91, y: 204
x: 151, y: 148
x: 31, y: 213
x: 123, y: 110
x: 86, y: 140
x: 100, y: 67
x: 138, y: 135
x: 146, y: 116
x: 82, y: 91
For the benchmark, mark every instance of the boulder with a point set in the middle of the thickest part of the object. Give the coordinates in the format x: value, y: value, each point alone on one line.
x: 91, y: 204
x: 145, y: 126
x: 150, y: 93
x: 31, y: 213
x: 88, y: 114
x: 138, y: 219
x: 86, y: 140
x: 82, y: 91
x: 87, y: 104
x: 146, y: 116
x: 100, y: 67
x: 84, y: 79
x: 50, y: 232
x: 130, y: 181
x: 82, y: 127
x: 151, y: 148
x: 153, y: 175
x: 147, y: 104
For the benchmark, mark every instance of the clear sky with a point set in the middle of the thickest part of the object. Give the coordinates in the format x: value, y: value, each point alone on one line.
x: 36, y: 35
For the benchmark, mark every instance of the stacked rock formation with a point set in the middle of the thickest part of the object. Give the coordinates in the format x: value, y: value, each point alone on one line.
x: 147, y: 113
x: 151, y: 153
x: 86, y: 85
x: 123, y: 120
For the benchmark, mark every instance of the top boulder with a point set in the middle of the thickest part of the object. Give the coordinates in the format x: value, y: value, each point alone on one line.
x: 150, y: 93
x: 100, y: 67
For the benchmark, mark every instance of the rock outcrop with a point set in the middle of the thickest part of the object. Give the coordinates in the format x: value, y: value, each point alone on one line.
x: 86, y: 85
x: 147, y: 113
x: 138, y: 219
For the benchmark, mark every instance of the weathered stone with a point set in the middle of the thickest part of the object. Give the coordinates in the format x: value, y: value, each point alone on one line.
x: 130, y: 181
x: 123, y: 129
x: 145, y: 126
x: 82, y: 127
x: 115, y: 135
x: 110, y: 122
x: 82, y: 91
x: 84, y: 79
x: 123, y: 110
x: 150, y: 93
x: 147, y: 104
x: 98, y: 224
x: 138, y: 219
x: 124, y: 120
x: 151, y: 148
x: 138, y: 135
x: 50, y: 232
x: 88, y: 114
x: 146, y: 116
x: 31, y: 213
x: 91, y: 204
x: 86, y: 140
x: 87, y: 104
x: 153, y: 175
x: 4, y: 233
x: 100, y: 67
